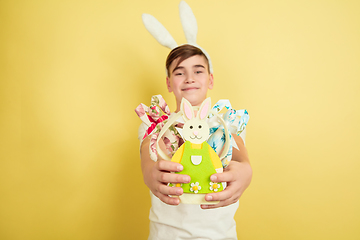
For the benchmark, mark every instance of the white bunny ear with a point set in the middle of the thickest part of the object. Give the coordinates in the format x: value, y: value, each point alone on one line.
x: 188, y: 22
x: 187, y: 109
x: 158, y: 31
x: 190, y: 27
x: 204, y: 109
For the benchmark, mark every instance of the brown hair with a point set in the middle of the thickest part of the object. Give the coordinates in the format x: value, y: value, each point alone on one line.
x: 183, y: 52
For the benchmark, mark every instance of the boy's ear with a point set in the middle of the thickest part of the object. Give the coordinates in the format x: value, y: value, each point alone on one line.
x: 168, y: 84
x: 211, y: 81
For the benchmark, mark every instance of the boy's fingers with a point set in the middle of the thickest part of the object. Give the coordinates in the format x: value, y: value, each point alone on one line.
x: 221, y: 204
x: 222, y: 177
x: 220, y: 196
x: 225, y: 198
x: 169, y: 200
x: 166, y: 190
x: 165, y: 177
x: 169, y: 166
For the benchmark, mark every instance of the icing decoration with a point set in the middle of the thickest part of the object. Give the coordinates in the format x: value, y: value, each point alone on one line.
x: 155, y: 116
x: 199, y: 172
x: 195, y: 187
x: 188, y: 22
x: 176, y: 184
x: 199, y: 160
x: 235, y: 120
x: 214, y: 186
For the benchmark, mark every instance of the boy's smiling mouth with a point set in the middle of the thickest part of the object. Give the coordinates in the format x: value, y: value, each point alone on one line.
x: 191, y: 88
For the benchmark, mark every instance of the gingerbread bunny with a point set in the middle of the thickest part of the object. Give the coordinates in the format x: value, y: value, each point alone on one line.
x: 199, y: 160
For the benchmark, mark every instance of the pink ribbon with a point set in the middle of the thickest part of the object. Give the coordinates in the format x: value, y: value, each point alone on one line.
x: 155, y: 117
x: 154, y: 123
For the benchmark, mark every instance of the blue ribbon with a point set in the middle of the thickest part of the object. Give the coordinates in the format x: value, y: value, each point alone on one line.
x: 236, y: 121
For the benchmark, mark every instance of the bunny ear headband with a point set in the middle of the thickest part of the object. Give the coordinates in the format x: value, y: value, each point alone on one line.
x: 189, y: 24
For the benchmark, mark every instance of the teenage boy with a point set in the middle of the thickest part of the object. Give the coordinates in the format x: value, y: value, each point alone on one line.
x: 188, y: 76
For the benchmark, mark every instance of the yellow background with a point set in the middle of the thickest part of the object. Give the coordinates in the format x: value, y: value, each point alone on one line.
x: 72, y: 73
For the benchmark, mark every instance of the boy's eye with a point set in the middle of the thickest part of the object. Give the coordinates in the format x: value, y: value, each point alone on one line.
x: 198, y: 72
x: 178, y: 74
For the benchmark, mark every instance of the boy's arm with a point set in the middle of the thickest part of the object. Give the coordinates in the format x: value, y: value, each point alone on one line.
x: 237, y: 175
x: 158, y: 174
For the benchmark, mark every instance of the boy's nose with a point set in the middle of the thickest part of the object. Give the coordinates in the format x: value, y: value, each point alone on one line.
x: 195, y: 133
x: 190, y: 79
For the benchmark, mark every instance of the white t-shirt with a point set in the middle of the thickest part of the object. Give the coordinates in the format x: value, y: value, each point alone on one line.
x: 188, y: 221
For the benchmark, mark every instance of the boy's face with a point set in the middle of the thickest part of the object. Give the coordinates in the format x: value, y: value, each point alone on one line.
x: 191, y: 80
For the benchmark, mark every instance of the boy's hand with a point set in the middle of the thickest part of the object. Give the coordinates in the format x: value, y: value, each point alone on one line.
x: 237, y: 176
x: 157, y: 177
x: 158, y: 174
